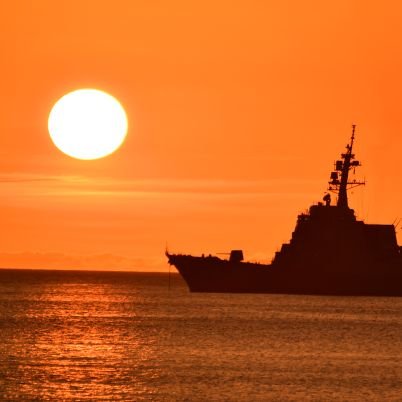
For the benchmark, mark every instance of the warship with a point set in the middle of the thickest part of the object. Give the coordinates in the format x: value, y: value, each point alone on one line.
x: 331, y: 252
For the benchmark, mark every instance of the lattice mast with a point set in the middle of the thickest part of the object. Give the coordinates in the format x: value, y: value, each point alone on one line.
x: 342, y: 184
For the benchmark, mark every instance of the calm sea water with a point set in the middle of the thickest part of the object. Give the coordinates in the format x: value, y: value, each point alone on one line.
x: 81, y: 336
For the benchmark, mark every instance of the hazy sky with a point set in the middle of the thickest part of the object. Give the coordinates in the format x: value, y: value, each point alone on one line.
x: 237, y: 110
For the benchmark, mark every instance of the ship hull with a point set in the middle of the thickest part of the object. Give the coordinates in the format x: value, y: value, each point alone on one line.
x: 222, y: 276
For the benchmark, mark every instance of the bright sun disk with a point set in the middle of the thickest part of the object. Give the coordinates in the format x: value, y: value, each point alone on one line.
x: 87, y: 124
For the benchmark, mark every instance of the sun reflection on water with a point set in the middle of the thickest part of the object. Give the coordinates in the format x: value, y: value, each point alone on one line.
x: 82, y: 340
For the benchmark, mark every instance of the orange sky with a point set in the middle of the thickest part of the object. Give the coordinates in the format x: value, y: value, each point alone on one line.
x: 237, y: 110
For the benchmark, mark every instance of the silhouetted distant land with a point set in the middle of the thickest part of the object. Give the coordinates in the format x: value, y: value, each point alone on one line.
x: 330, y: 253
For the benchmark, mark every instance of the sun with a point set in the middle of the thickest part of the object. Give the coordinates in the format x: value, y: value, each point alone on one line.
x: 87, y: 124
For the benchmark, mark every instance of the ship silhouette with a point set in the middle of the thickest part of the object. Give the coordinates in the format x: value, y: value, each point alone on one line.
x: 330, y: 253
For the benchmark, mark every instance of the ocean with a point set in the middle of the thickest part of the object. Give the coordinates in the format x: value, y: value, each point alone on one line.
x: 107, y: 336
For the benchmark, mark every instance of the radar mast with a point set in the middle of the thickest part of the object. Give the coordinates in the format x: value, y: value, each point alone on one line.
x: 340, y: 182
